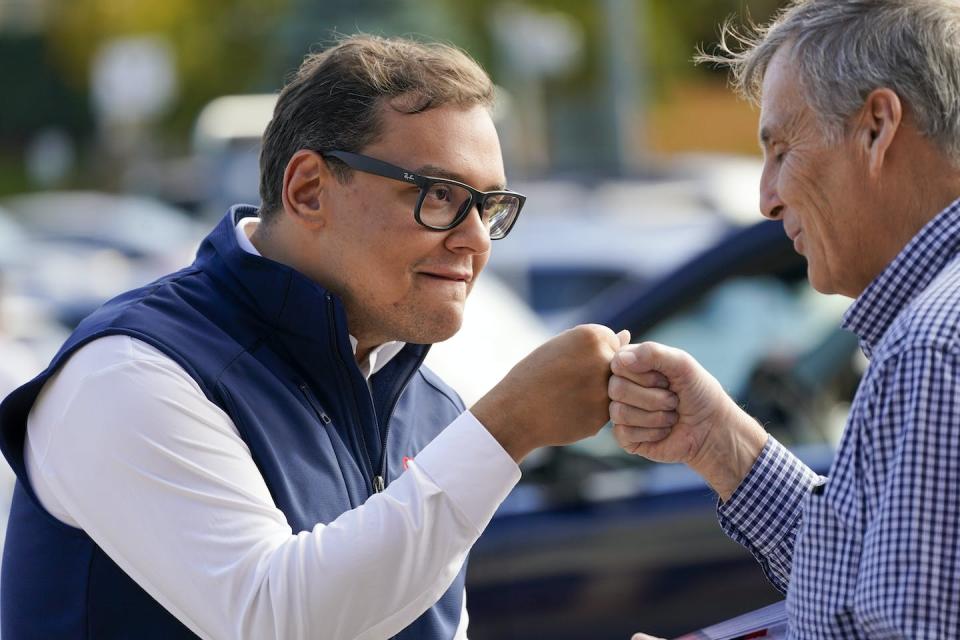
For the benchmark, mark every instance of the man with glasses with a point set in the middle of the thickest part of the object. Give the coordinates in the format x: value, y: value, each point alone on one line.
x: 251, y: 447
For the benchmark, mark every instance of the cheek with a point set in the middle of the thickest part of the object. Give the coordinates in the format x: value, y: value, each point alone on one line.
x: 800, y: 180
x: 479, y: 262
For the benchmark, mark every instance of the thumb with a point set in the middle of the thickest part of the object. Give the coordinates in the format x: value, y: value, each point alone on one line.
x: 651, y: 356
x: 624, y: 336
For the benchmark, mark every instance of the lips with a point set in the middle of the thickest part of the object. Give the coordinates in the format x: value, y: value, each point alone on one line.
x: 453, y: 275
x: 798, y: 242
x: 792, y: 233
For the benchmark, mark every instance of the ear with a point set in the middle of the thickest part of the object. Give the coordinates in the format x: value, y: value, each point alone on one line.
x: 304, y: 181
x: 880, y: 120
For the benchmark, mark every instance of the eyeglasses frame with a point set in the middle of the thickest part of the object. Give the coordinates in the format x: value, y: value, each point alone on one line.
x: 376, y: 167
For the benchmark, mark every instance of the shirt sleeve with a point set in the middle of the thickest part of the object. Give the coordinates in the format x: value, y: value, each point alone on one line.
x: 764, y: 514
x: 123, y: 444
x: 907, y: 583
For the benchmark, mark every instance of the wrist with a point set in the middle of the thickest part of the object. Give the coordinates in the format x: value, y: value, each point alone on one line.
x: 729, y: 452
x: 503, y: 427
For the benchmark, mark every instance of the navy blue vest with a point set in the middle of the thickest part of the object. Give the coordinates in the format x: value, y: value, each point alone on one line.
x: 270, y: 347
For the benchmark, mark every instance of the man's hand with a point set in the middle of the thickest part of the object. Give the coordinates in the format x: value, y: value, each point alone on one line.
x: 556, y: 395
x: 666, y: 407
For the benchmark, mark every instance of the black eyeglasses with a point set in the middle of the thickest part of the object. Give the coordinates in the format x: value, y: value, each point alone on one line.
x: 444, y: 203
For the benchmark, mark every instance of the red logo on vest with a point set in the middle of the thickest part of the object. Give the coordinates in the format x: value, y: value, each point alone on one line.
x: 406, y: 462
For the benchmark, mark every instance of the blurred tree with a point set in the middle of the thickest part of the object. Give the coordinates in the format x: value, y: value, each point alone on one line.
x: 666, y: 35
x: 220, y: 46
x: 235, y: 46
x: 677, y: 28
x: 311, y: 25
x: 36, y: 96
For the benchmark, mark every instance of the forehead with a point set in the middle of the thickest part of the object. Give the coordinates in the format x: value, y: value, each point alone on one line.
x: 783, y: 104
x: 458, y: 140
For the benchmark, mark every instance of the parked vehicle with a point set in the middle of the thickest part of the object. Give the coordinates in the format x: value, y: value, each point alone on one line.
x: 86, y: 247
x: 595, y: 543
x: 574, y: 242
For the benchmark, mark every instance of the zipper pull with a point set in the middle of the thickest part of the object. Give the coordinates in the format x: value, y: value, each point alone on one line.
x: 378, y: 485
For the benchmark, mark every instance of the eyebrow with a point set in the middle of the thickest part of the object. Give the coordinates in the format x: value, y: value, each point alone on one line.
x: 434, y: 171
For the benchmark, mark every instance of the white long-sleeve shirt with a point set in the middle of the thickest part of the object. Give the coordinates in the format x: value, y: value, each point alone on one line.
x: 123, y: 444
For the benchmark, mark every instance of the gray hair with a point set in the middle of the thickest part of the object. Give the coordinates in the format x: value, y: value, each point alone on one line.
x: 845, y: 49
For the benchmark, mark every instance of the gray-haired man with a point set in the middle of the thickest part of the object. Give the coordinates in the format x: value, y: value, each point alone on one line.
x: 860, y: 128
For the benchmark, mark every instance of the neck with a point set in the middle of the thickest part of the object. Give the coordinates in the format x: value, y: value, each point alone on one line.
x: 923, y: 194
x: 274, y: 241
x: 269, y: 240
x: 910, y: 196
x: 363, y: 351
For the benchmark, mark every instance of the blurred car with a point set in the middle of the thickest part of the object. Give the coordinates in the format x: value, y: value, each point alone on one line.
x: 86, y: 247
x: 13, y: 241
x: 595, y: 543
x: 576, y: 241
x: 226, y: 145
x: 29, y: 333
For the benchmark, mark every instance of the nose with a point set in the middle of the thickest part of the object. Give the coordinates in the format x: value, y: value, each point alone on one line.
x: 470, y: 236
x: 771, y: 206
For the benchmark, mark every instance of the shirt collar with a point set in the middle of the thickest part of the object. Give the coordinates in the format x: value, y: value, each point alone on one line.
x: 379, y: 356
x: 914, y: 268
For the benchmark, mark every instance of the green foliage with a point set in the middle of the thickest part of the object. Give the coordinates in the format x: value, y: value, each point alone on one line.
x: 239, y: 46
x: 35, y: 95
x: 221, y: 46
x: 668, y: 33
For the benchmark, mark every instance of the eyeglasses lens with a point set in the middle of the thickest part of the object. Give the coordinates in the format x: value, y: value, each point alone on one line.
x: 442, y: 204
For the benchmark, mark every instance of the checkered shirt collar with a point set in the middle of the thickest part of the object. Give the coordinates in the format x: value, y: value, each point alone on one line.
x: 914, y: 268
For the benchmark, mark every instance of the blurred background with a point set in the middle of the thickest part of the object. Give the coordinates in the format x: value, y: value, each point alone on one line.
x: 127, y: 128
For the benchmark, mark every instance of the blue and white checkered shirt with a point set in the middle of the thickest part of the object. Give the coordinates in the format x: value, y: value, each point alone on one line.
x: 875, y: 551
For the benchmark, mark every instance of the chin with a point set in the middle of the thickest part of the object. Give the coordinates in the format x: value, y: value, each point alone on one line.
x: 820, y: 282
x: 442, y: 331
x: 435, y: 326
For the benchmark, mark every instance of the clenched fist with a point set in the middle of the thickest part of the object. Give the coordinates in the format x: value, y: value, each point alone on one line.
x: 666, y: 407
x: 556, y: 395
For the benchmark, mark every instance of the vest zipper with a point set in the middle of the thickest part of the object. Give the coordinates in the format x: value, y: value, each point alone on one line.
x: 379, y: 484
x: 305, y: 390
x: 390, y: 409
x: 375, y: 481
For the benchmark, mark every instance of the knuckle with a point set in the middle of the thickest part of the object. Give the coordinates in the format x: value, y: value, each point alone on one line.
x: 616, y: 388
x: 616, y: 367
x: 620, y: 435
x: 616, y: 412
x: 586, y: 339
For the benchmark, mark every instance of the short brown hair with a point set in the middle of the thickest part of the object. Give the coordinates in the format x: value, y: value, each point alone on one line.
x: 335, y: 97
